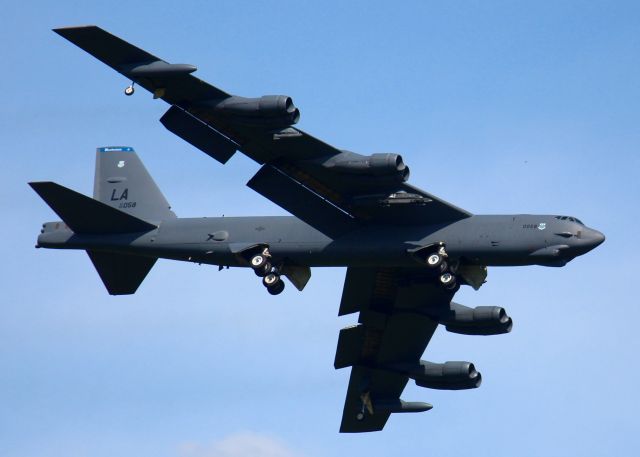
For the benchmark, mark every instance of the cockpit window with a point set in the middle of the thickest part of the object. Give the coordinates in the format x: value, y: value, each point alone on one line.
x: 572, y: 219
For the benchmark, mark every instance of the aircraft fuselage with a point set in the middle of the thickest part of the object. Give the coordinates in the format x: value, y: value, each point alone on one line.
x: 490, y: 240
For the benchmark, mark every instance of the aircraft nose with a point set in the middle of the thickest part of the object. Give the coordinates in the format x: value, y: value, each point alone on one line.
x: 594, y: 238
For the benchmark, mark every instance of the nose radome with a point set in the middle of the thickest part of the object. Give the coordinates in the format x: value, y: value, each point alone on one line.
x: 596, y: 237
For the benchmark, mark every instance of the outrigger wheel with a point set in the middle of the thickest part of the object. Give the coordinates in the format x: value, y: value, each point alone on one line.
x: 365, y: 397
x: 129, y: 90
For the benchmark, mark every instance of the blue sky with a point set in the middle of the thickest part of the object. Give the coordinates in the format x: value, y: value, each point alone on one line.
x: 498, y: 107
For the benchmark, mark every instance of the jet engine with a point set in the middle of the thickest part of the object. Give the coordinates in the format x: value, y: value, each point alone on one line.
x: 385, y: 164
x: 483, y: 320
x: 446, y: 376
x: 276, y: 110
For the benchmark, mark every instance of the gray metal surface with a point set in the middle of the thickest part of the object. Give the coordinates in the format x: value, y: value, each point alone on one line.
x: 407, y: 251
x: 123, y: 182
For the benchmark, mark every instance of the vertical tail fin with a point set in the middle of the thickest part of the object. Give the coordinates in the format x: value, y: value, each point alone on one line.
x: 123, y: 182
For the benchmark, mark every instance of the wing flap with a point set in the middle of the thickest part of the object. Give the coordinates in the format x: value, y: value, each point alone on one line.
x: 405, y: 338
x: 199, y: 134
x: 350, y: 346
x: 301, y: 201
x: 368, y: 289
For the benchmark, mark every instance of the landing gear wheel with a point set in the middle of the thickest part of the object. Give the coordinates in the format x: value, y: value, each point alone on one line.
x: 270, y: 280
x: 277, y: 288
x: 434, y: 260
x: 263, y: 271
x: 258, y: 261
x: 447, y: 279
x: 260, y: 264
x: 129, y: 90
x: 360, y: 416
x: 443, y: 266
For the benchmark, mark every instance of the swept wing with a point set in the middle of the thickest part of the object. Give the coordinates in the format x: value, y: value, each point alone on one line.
x: 334, y: 191
x: 394, y: 327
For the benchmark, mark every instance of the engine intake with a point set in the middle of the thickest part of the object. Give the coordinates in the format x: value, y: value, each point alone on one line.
x: 446, y: 376
x: 269, y: 109
x: 483, y: 320
x: 384, y: 164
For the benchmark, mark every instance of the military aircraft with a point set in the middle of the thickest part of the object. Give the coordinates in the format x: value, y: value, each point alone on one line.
x: 407, y: 252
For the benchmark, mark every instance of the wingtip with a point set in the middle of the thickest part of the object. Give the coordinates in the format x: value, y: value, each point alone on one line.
x: 72, y: 28
x: 39, y: 186
x: 36, y: 183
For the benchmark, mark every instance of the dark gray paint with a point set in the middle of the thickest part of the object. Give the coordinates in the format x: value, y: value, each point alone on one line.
x: 481, y: 240
x: 350, y: 210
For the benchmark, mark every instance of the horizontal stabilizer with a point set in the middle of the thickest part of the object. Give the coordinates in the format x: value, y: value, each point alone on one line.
x: 83, y: 214
x: 121, y: 274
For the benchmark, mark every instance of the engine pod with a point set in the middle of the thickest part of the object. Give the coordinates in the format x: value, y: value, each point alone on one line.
x: 382, y: 164
x: 271, y: 110
x: 482, y: 320
x: 446, y: 376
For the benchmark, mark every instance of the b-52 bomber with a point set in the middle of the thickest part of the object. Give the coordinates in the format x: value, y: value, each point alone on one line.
x: 407, y: 252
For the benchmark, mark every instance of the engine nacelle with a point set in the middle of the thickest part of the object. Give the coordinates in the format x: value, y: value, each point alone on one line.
x: 269, y: 109
x: 385, y: 164
x: 446, y: 376
x: 483, y: 320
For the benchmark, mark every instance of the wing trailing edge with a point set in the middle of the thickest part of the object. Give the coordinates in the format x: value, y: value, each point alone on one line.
x: 301, y: 201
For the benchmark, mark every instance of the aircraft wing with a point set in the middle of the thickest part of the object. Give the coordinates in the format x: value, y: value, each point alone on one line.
x: 393, y: 330
x: 334, y: 191
x: 180, y: 86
